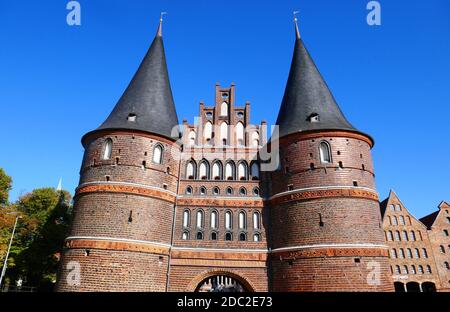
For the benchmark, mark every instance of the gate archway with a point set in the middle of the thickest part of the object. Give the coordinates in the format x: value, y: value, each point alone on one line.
x: 220, y: 281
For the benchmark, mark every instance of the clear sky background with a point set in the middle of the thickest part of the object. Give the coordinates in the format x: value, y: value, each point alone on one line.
x: 58, y: 82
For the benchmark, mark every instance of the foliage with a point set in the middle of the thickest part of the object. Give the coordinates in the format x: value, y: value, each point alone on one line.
x: 40, y: 234
x: 5, y: 187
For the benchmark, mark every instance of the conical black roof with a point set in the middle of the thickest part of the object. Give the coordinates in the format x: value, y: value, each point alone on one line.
x: 308, y: 103
x: 147, y: 103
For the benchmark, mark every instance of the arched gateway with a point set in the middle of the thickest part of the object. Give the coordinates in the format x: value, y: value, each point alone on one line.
x: 220, y: 282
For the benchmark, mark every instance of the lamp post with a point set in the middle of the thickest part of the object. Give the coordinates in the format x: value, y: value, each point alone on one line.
x: 7, y: 253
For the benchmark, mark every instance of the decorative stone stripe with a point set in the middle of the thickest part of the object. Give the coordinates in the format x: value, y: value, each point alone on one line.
x: 127, y: 189
x: 218, y: 263
x: 223, y: 255
x: 103, y: 132
x: 329, y: 252
x: 116, y: 245
x: 234, y: 202
x: 294, y: 137
x: 324, y: 193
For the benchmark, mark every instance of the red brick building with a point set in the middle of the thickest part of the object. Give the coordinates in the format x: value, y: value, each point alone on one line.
x: 418, y: 249
x: 200, y: 208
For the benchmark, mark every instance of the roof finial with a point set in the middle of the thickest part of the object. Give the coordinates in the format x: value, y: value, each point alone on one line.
x: 160, y: 23
x: 297, y: 32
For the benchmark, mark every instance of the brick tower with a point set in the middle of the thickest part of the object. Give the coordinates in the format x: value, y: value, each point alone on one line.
x: 124, y: 204
x: 325, y: 220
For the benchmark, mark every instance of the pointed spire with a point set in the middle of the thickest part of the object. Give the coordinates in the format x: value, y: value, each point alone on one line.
x: 147, y: 103
x: 159, y: 32
x: 307, y: 102
x: 297, y: 32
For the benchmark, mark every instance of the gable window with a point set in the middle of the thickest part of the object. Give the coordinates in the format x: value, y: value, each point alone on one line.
x: 242, y: 171
x: 190, y: 170
x: 255, y: 139
x: 228, y: 220
x: 214, y: 220
x: 200, y: 219
x: 325, y: 153
x: 224, y: 133
x: 224, y: 109
x: 192, y: 137
x: 107, y: 149
x: 207, y: 132
x: 242, y: 220
x: 157, y: 154
x: 186, y: 218
x: 239, y: 133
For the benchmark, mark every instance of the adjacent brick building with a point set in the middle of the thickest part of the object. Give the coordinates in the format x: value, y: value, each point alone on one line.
x: 419, y: 250
x: 215, y: 206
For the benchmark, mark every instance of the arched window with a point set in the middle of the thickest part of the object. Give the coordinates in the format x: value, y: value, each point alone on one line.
x: 229, y: 171
x: 410, y: 255
x: 420, y: 269
x: 402, y: 253
x: 254, y: 171
x: 242, y: 237
x: 229, y: 191
x: 202, y: 190
x: 428, y: 269
x: 228, y: 220
x: 157, y: 154
x: 424, y: 253
x: 190, y: 170
x: 185, y: 235
x: 240, y: 133
x: 394, y: 220
x: 446, y: 232
x: 405, y: 236
x: 447, y: 265
x: 217, y: 171
x: 390, y: 221
x: 242, y: 220
x: 204, y: 170
x: 405, y: 269
x: 186, y: 218
x: 413, y: 269
x: 199, y: 235
x: 393, y: 253
x: 200, y: 219
x: 256, y: 237
x: 397, y: 236
x: 188, y: 190
x: 242, y: 191
x: 413, y: 236
x: 213, y: 236
x: 214, y: 220
x: 324, y: 151
x: 192, y: 137
x: 224, y: 109
x: 402, y: 220
x: 228, y: 237
x: 224, y: 133
x: 256, y: 191
x: 256, y: 221
x: 397, y: 269
x: 417, y: 253
x: 107, y: 152
x: 207, y: 131
x: 216, y: 191
x: 242, y: 171
x: 390, y: 236
x: 255, y: 139
x: 442, y: 249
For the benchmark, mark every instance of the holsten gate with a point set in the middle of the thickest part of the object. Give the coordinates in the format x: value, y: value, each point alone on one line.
x: 158, y: 209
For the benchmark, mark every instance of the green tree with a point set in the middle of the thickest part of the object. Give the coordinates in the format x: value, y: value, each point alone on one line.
x: 40, y: 236
x: 5, y: 187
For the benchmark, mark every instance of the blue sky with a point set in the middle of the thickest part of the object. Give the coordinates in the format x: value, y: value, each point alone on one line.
x: 58, y: 82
